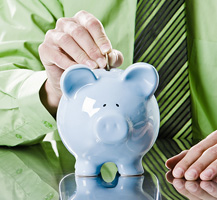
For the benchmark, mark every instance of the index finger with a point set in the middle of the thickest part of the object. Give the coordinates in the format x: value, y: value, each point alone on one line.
x: 96, y: 30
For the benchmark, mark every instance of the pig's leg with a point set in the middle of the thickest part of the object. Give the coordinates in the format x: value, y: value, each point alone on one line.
x: 130, y: 167
x: 86, y: 168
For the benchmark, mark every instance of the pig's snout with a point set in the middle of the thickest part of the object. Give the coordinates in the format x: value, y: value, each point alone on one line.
x: 111, y: 128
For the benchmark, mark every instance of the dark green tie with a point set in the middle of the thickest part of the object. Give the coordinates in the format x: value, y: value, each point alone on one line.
x: 160, y: 39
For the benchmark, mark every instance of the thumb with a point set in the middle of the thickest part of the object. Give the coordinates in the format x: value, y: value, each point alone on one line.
x: 115, y: 58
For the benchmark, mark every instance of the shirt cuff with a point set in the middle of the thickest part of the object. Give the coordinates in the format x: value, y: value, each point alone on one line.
x: 35, y: 114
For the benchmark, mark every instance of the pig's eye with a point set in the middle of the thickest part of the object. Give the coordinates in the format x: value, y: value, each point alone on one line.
x: 117, y: 105
x: 104, y: 105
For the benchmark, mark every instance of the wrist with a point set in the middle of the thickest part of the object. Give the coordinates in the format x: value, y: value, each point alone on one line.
x: 49, y: 97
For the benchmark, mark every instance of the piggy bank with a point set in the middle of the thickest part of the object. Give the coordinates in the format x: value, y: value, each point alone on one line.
x: 108, y: 116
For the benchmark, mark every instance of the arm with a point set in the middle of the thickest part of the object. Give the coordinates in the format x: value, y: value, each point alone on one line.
x: 77, y: 40
x: 23, y: 118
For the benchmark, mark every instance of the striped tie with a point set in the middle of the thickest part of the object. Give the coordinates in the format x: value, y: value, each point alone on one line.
x: 160, y: 39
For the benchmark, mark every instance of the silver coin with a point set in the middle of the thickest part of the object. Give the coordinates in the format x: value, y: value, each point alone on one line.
x: 107, y: 62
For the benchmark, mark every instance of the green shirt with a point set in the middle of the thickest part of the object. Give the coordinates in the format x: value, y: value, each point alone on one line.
x: 202, y: 56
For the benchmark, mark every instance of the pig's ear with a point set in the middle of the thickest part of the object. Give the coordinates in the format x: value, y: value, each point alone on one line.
x: 76, y: 77
x: 142, y: 78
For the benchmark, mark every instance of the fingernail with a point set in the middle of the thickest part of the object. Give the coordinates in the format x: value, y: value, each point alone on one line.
x: 191, y: 174
x: 91, y: 64
x: 105, y: 48
x: 207, y: 174
x: 178, y: 172
x: 101, y: 62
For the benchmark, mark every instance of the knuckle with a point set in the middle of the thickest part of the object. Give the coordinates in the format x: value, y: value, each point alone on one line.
x: 63, y: 38
x: 57, y: 59
x: 213, y: 135
x: 60, y: 22
x: 94, y: 52
x: 78, y: 31
x: 81, y: 57
x: 81, y: 12
x: 185, y: 162
x: 102, y: 40
x: 42, y: 48
x: 197, y: 149
x: 212, y: 150
x: 198, y: 166
x: 184, y: 151
x: 49, y: 34
x: 93, y: 23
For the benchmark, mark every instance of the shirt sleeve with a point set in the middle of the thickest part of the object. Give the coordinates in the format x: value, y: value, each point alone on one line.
x: 23, y: 118
x: 28, y: 174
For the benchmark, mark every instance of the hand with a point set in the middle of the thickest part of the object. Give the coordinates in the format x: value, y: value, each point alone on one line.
x: 77, y: 40
x: 198, y: 162
x: 194, y: 190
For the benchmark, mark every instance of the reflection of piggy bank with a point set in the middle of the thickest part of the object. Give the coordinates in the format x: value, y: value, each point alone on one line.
x: 95, y: 188
x: 108, y: 116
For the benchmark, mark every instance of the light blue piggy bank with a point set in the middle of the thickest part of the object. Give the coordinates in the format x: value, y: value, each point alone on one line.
x: 108, y: 116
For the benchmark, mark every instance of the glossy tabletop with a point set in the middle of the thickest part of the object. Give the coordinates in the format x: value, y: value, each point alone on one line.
x: 45, y: 171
